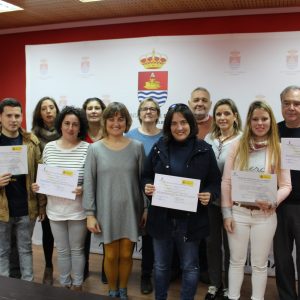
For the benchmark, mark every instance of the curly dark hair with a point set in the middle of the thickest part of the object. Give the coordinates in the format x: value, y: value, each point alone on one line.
x: 79, y: 113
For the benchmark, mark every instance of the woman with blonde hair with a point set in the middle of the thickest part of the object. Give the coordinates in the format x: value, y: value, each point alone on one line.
x: 258, y: 150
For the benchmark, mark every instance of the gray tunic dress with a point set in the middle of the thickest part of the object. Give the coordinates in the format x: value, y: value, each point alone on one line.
x: 112, y: 189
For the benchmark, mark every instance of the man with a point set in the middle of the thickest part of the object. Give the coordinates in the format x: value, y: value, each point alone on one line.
x: 19, y: 206
x: 148, y: 134
x: 288, y: 213
x: 200, y: 105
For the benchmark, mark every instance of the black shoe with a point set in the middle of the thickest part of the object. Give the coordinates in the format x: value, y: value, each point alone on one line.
x: 146, y: 285
x: 204, y: 277
x: 213, y: 293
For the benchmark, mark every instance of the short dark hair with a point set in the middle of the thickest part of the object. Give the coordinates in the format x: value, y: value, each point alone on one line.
x: 37, y: 120
x: 187, y: 114
x: 79, y: 113
x: 111, y: 110
x: 145, y: 101
x: 88, y: 100
x: 12, y: 102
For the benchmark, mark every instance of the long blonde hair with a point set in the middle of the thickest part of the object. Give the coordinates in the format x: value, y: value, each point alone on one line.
x: 243, y: 150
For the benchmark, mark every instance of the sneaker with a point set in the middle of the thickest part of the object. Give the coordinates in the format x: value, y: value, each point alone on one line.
x: 225, y: 294
x: 123, y: 293
x: 48, y: 276
x: 112, y: 293
x: 213, y: 293
x: 146, y: 285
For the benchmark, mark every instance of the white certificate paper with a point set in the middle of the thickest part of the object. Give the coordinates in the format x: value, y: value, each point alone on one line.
x: 290, y: 153
x: 250, y: 186
x: 176, y: 192
x: 13, y: 159
x: 59, y: 182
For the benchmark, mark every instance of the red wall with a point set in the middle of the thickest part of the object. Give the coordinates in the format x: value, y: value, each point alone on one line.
x: 12, y: 46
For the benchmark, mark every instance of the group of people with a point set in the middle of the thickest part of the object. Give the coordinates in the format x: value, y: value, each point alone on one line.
x: 117, y: 167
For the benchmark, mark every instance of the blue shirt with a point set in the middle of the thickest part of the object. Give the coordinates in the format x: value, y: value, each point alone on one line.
x: 147, y: 140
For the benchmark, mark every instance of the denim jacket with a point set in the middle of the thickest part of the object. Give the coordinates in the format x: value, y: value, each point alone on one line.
x: 36, y: 202
x: 201, y: 164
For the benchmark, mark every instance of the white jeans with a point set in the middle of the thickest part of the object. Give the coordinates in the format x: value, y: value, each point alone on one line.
x: 259, y: 229
x: 69, y: 237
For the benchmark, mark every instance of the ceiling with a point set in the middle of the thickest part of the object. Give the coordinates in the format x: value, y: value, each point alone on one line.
x: 47, y: 13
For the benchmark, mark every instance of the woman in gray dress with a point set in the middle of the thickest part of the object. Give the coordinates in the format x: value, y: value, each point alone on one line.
x: 113, y: 198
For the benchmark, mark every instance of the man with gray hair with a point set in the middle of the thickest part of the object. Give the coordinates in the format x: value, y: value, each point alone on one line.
x: 200, y: 105
x: 288, y: 212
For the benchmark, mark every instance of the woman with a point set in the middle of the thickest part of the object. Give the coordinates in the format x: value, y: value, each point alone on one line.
x: 258, y: 150
x: 226, y: 129
x: 180, y: 153
x: 113, y: 198
x: 148, y: 133
x: 44, y: 116
x: 93, y: 108
x: 67, y: 217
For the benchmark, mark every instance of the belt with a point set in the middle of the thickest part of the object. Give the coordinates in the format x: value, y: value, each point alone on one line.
x: 251, y: 207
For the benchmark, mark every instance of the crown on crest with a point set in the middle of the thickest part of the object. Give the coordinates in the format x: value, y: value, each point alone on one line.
x: 153, y: 60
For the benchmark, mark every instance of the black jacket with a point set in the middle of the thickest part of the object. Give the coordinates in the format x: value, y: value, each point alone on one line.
x: 201, y: 164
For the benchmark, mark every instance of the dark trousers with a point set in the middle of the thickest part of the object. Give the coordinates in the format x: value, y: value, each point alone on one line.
x: 87, y: 246
x: 48, y: 242
x: 14, y: 266
x: 287, y: 232
x: 215, y: 242
x: 147, y: 256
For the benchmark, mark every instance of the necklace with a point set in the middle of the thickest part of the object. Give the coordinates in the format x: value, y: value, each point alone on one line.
x: 254, y: 146
x: 221, y: 142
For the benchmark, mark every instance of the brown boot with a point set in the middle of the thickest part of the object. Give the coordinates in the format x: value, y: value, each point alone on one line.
x: 48, y: 276
x: 77, y: 288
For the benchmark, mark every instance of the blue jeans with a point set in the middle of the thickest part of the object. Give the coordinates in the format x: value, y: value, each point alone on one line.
x: 189, y: 262
x: 23, y: 229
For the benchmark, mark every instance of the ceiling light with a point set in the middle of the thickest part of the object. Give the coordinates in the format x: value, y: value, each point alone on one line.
x: 6, y: 7
x: 89, y: 0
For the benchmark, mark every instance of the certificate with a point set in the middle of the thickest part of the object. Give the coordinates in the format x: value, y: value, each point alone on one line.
x: 176, y: 192
x: 59, y: 182
x: 290, y: 153
x: 251, y: 186
x: 13, y: 159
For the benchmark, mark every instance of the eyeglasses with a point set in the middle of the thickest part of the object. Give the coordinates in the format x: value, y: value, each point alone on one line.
x: 152, y: 109
x: 178, y: 106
